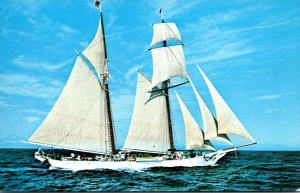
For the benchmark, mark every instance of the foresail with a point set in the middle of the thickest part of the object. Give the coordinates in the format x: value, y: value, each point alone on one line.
x: 193, y: 133
x: 165, y: 31
x: 208, y: 145
x: 167, y: 62
x: 95, y: 52
x: 78, y: 120
x: 224, y: 138
x: 209, y: 122
x: 148, y: 130
x: 209, y: 125
x: 227, y: 120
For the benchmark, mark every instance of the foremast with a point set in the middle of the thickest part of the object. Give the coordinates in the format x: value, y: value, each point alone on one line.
x: 175, y: 64
x: 106, y: 88
x: 165, y: 86
x: 151, y: 125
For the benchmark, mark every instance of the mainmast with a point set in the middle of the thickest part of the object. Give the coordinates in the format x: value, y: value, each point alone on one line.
x: 165, y: 85
x: 106, y: 87
x: 168, y: 62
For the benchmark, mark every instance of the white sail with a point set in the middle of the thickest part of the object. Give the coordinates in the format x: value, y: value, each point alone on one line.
x: 78, y: 120
x: 167, y: 62
x: 149, y: 124
x: 227, y: 120
x: 95, y: 52
x: 165, y: 31
x: 209, y: 123
x: 193, y: 133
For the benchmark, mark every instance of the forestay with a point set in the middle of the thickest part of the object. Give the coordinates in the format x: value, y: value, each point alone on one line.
x: 193, y: 133
x: 78, y: 120
x: 148, y: 130
x: 227, y: 120
x: 167, y: 62
x: 165, y: 31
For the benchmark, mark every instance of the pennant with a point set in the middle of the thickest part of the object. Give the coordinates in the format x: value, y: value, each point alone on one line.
x: 97, y: 3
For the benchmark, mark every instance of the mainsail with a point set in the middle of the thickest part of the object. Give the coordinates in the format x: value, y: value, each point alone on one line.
x: 227, y: 120
x: 95, y: 52
x: 79, y: 112
x: 209, y: 122
x: 81, y: 119
x: 193, y: 133
x: 148, y: 130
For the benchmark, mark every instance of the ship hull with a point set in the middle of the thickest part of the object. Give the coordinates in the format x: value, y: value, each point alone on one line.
x: 134, y: 165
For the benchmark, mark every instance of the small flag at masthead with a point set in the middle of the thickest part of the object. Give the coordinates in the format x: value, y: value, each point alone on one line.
x: 97, y: 3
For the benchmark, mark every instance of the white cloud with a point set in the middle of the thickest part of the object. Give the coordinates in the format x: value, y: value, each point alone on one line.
x: 254, y: 71
x: 9, y: 32
x: 84, y: 43
x: 31, y: 119
x: 67, y: 29
x: 132, y: 71
x: 111, y: 21
x: 28, y: 63
x: 172, y: 8
x: 24, y: 85
x: 34, y: 111
x: 56, y: 83
x: 122, y: 105
x: 220, y: 41
x: 216, y: 43
x: 26, y: 7
x: 226, y: 51
x: 177, y: 11
x: 4, y: 104
x: 276, y: 110
x: 267, y: 97
x: 208, y: 22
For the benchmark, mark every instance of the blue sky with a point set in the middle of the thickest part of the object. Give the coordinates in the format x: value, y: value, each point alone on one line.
x: 250, y: 50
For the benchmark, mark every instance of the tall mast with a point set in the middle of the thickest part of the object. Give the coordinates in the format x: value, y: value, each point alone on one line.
x: 106, y: 87
x: 166, y: 89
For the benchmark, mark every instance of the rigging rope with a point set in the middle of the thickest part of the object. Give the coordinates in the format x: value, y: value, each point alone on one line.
x: 129, y: 30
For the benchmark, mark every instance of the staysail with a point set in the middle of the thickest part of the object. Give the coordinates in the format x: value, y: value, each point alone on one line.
x: 83, y: 106
x: 227, y: 120
x: 148, y: 131
x: 193, y: 133
x: 209, y: 122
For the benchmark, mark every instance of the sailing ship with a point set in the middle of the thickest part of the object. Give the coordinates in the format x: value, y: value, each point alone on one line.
x: 81, y: 120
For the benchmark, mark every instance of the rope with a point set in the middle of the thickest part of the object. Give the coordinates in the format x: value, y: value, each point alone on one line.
x: 118, y: 70
x: 129, y: 30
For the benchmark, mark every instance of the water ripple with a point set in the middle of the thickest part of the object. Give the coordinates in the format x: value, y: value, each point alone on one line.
x: 251, y: 171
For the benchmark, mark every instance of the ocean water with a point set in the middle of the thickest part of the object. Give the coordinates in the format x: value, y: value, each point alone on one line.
x: 251, y: 171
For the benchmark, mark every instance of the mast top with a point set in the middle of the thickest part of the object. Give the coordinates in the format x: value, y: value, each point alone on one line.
x: 162, y: 15
x: 98, y: 5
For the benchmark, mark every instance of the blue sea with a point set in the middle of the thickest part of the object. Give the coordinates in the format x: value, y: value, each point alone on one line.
x: 250, y: 171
